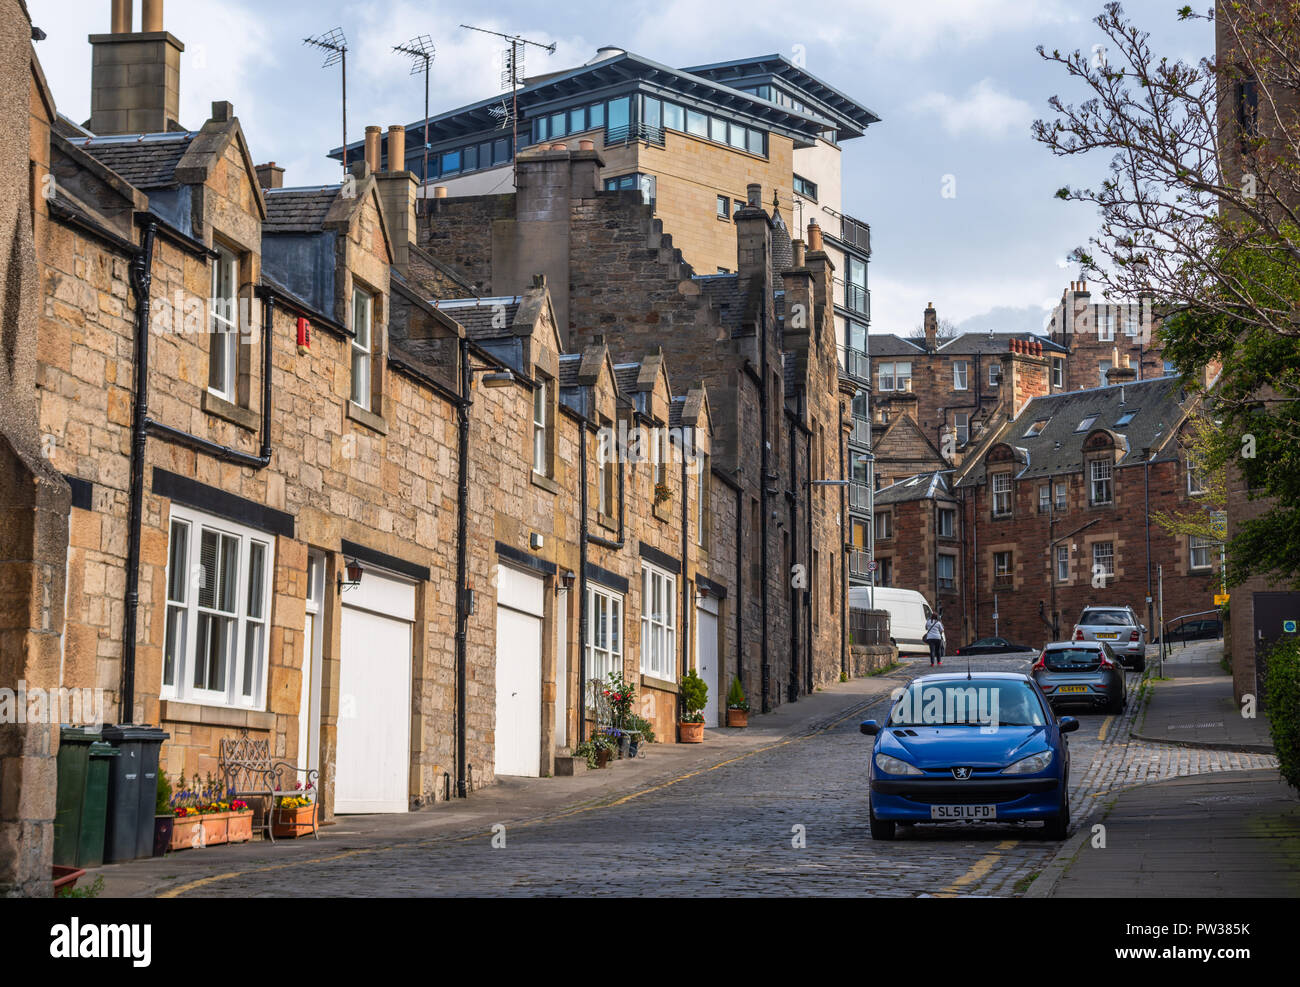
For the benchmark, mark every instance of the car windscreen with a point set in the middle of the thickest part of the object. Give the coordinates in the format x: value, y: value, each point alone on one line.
x: 1106, y: 618
x: 967, y: 702
x: 1072, y: 659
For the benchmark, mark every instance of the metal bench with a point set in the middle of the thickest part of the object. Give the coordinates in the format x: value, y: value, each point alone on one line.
x: 249, y: 772
x: 603, y: 710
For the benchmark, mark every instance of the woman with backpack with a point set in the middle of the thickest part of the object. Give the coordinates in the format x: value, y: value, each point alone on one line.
x: 934, y: 638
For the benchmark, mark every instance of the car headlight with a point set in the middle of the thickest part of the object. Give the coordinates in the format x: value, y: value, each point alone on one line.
x: 1030, y: 765
x: 895, y: 766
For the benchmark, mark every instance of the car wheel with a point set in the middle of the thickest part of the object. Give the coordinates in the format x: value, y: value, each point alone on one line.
x: 1141, y: 664
x: 1116, y: 705
x: 881, y: 829
x: 1057, y: 827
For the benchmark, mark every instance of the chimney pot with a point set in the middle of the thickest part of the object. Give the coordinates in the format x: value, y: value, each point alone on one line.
x: 559, y: 147
x: 396, y: 148
x: 754, y: 195
x: 151, y: 15
x: 440, y: 191
x: 797, y: 251
x: 586, y: 145
x: 122, y: 15
x: 372, y: 147
x: 814, y: 235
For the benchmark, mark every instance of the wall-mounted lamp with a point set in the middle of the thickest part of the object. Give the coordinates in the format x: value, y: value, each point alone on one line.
x: 354, y: 576
x: 492, y: 377
x: 566, y: 581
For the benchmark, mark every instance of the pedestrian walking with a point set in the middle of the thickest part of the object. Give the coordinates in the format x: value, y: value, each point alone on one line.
x: 934, y: 637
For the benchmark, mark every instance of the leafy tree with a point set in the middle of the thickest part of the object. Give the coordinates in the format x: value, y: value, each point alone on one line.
x: 1199, y: 212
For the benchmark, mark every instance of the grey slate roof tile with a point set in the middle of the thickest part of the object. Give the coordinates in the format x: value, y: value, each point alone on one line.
x: 298, y: 210
x: 145, y: 160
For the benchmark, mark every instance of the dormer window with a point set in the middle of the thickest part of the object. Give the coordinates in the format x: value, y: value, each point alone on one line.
x: 1086, y: 424
x: 1036, y: 428
x: 1125, y: 418
x: 363, y: 306
x: 223, y: 355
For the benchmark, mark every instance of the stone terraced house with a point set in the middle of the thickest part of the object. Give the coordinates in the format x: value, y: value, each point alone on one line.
x: 321, y: 465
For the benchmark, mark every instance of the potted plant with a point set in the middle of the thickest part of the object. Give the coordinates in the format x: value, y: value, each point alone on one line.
x: 164, y: 818
x: 695, y: 695
x: 294, y: 815
x: 737, y: 705
x: 596, y: 750
x: 662, y: 492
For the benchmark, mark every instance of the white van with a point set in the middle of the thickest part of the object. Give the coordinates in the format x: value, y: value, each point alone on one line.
x: 908, y: 613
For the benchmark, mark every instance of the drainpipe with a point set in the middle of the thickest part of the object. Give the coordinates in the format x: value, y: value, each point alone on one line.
x: 792, y: 689
x: 740, y: 576
x: 141, y: 279
x: 763, y: 415
x: 1146, y: 493
x: 582, y: 577
x: 808, y: 548
x: 462, y: 564
x: 686, y: 621
x: 844, y: 566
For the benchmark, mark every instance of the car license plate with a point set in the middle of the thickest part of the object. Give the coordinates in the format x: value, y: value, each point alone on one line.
x: 963, y: 812
x: 1073, y: 688
x: 1107, y: 637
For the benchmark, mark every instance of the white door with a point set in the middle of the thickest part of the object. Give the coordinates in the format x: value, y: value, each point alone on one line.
x: 706, y: 656
x: 520, y: 606
x: 309, y: 700
x: 374, y: 748
x: 562, y: 669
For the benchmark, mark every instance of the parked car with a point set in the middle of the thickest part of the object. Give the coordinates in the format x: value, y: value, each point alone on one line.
x: 1120, y: 628
x: 1085, y: 672
x: 908, y: 614
x: 1196, y: 630
x: 981, y: 746
x: 990, y: 646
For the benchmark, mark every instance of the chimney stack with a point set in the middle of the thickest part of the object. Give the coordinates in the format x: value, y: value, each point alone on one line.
x: 135, y: 75
x: 398, y: 191
x: 931, y: 326
x: 270, y: 175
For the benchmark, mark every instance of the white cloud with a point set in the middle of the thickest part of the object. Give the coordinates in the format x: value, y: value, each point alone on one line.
x: 984, y: 109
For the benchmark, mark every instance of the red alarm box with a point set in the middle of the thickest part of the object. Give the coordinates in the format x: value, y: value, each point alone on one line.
x: 304, y: 335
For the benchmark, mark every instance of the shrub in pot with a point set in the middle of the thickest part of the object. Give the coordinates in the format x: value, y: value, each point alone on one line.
x: 737, y: 705
x: 695, y: 696
x: 164, y: 818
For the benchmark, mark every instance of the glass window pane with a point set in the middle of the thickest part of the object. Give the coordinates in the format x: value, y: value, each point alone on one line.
x: 577, y: 119
x: 450, y: 162
x: 177, y: 563
x: 596, y: 114
x: 718, y: 130
x: 256, y: 566
x: 229, y: 574
x: 470, y: 161
x: 651, y: 112
x: 542, y: 128
x: 557, y: 125
x: 485, y: 155
x: 208, y: 564
x: 619, y: 110
x: 697, y: 123
x: 252, y: 657
x: 500, y: 151
x: 174, y: 647
x: 756, y: 142
x: 737, y: 136
x: 674, y: 118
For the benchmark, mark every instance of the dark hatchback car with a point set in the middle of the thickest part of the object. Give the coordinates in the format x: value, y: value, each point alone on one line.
x: 1196, y: 630
x: 1081, y: 672
x: 991, y: 646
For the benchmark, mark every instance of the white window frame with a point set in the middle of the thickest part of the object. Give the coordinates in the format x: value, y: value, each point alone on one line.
x: 1106, y: 558
x: 185, y: 578
x: 1101, y: 486
x: 949, y: 581
x: 1061, y: 493
x: 995, y: 372
x: 1044, y: 498
x: 541, y: 426
x: 223, y: 325
x: 885, y: 381
x: 1062, y: 563
x: 363, y: 309
x: 949, y: 530
x: 1195, y: 476
x: 959, y: 375
x: 884, y: 525
x: 1058, y: 372
x: 658, y: 625
x: 1001, y: 494
x: 903, y: 372
x: 1003, y: 574
x: 604, y: 634
x: 1197, y: 544
x: 961, y: 427
x: 701, y: 496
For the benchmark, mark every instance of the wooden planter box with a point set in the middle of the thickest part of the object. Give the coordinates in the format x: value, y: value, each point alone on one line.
x: 211, y: 829
x: 292, y: 823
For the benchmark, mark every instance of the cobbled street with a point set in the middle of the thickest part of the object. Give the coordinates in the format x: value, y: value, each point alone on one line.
x: 786, y: 819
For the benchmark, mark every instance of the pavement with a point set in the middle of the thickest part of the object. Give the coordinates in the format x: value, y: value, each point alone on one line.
x: 1193, y: 706
x: 511, y: 802
x: 1226, y: 827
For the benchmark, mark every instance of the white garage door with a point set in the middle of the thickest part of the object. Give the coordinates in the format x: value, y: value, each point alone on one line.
x: 519, y: 673
x: 374, y: 735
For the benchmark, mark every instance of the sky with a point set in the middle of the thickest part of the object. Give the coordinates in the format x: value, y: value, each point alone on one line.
x: 956, y: 83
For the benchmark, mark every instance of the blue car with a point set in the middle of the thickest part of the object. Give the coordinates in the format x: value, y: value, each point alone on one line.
x: 977, y: 747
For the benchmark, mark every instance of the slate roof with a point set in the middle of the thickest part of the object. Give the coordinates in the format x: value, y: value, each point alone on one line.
x: 145, y: 160
x: 996, y: 342
x: 298, y: 210
x: 483, y: 318
x: 1157, y: 406
x: 625, y: 374
x: 727, y: 297
x: 923, y: 486
x: 570, y: 364
x: 675, y: 412
x: 782, y: 250
x: 889, y: 344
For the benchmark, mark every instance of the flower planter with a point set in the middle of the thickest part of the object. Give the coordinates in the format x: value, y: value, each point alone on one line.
x: 215, y: 826
x: 737, y: 717
x: 162, y: 834
x: 187, y: 832
x: 602, y: 757
x: 691, y: 733
x: 239, y: 827
x: 292, y: 823
x: 211, y: 829
x: 66, y: 877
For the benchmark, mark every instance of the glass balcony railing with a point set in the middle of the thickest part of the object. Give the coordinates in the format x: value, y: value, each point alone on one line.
x: 857, y: 299
x: 860, y: 435
x: 855, y: 233
x: 858, y: 559
x: 859, y: 497
x: 856, y: 364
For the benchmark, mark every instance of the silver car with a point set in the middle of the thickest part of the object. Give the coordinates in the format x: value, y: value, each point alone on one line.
x: 1086, y: 672
x: 1117, y: 627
